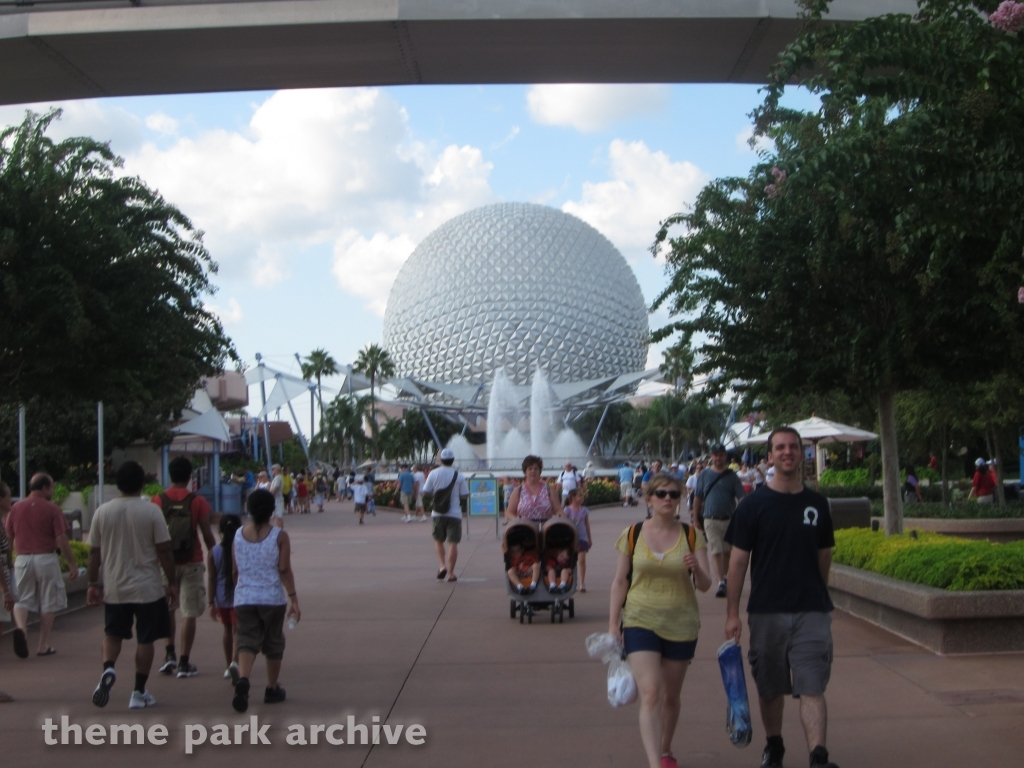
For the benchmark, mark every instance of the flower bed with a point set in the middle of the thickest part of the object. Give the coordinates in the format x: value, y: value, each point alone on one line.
x: 934, y: 560
x: 601, y: 491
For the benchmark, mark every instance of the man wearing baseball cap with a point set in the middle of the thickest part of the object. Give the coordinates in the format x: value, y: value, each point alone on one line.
x: 448, y: 487
x: 714, y: 500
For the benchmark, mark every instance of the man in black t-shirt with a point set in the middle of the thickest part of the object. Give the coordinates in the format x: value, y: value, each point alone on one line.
x: 784, y: 531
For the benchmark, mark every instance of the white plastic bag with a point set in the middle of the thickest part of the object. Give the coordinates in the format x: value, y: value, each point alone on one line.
x: 621, y: 685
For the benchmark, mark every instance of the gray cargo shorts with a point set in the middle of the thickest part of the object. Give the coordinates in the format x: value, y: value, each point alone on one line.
x: 790, y: 653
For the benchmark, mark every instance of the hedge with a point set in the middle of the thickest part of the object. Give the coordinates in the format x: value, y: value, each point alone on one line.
x: 933, y: 559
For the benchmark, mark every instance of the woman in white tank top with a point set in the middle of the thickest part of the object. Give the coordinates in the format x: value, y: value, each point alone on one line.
x: 264, y: 597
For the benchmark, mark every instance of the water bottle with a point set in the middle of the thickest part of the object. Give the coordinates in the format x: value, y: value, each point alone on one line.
x: 292, y: 621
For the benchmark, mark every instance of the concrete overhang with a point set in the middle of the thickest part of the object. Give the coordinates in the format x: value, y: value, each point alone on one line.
x: 83, y: 49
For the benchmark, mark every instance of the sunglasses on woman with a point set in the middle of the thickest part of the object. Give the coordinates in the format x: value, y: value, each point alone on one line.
x: 661, y: 493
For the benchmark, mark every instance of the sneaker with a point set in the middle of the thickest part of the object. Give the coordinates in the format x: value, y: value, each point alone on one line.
x: 101, y: 695
x: 241, y: 700
x: 721, y: 589
x: 273, y: 695
x: 170, y: 664
x: 771, y: 758
x: 667, y: 761
x: 187, y: 669
x: 141, y: 700
x: 233, y: 672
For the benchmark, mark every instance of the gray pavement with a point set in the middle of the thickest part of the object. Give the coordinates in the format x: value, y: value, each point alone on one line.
x: 380, y: 636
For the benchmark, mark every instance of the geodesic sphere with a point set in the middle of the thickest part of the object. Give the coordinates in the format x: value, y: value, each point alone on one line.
x: 513, y: 286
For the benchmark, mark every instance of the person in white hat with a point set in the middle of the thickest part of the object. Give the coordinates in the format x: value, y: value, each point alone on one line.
x: 983, y: 487
x: 448, y: 488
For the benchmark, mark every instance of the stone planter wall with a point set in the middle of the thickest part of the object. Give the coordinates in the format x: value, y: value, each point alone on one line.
x: 942, y: 621
x: 998, y: 530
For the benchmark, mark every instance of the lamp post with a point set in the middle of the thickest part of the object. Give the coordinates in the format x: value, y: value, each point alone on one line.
x: 263, y: 397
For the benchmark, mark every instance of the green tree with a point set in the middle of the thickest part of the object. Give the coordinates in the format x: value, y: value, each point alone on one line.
x: 879, y: 245
x: 318, y: 364
x: 678, y: 366
x: 617, y: 424
x: 682, y: 421
x: 375, y: 362
x: 395, y: 440
x: 101, y: 287
x: 342, y: 425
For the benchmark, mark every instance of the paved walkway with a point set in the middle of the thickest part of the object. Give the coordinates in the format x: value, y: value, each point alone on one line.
x: 380, y: 636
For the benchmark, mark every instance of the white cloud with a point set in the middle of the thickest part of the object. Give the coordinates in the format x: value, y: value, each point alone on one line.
x: 645, y: 188
x: 590, y: 108
x: 330, y: 167
x: 162, y: 123
x: 368, y: 267
x: 509, y: 138
x: 763, y: 143
x: 230, y: 315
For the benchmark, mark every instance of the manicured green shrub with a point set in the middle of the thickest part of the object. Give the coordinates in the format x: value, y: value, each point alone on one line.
x: 845, y: 476
x: 963, y: 510
x: 152, y: 489
x: 848, y: 491
x: 81, y: 550
x: 933, y: 559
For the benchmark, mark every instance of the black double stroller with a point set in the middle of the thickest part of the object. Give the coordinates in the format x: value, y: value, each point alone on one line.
x: 529, y: 550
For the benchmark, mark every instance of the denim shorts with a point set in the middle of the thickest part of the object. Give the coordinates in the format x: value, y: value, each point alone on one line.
x: 640, y: 639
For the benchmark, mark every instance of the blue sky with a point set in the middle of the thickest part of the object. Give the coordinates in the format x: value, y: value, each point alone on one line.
x: 311, y: 200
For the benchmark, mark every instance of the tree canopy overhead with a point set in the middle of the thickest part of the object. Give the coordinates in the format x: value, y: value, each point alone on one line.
x: 101, y: 281
x: 878, y: 246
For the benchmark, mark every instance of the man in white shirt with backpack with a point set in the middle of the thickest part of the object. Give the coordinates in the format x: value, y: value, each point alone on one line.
x: 446, y: 484
x: 569, y: 480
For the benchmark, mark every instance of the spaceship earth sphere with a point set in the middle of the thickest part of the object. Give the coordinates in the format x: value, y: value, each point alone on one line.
x: 514, y: 286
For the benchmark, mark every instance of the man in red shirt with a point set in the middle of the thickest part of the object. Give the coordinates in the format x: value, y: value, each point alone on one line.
x: 187, y: 514
x: 36, y: 528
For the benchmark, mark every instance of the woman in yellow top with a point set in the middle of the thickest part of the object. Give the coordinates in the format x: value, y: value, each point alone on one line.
x: 659, y: 614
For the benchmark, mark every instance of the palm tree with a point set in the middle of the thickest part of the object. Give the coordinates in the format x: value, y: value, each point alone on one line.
x: 343, y: 423
x: 319, y: 363
x: 678, y: 366
x: 374, y: 361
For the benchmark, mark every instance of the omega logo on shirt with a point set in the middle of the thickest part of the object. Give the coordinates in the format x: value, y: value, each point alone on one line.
x: 811, y: 516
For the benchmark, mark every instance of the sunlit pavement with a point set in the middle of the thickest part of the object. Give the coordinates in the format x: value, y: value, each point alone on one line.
x: 380, y: 636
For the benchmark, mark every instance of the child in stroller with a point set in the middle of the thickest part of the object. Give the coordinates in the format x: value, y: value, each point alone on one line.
x: 559, y: 571
x: 524, y: 573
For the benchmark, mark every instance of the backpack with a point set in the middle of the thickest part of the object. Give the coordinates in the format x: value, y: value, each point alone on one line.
x: 178, y: 515
x: 443, y: 499
x: 634, y: 535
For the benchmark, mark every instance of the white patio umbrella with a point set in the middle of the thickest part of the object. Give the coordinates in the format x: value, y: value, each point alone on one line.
x: 816, y: 430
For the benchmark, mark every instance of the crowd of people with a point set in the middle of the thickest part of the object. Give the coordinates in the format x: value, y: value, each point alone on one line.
x: 711, y: 520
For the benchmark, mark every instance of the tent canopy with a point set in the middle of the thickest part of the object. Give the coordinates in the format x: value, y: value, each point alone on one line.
x: 816, y: 430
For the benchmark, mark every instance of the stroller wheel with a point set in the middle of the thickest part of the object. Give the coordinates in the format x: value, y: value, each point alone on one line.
x: 529, y: 619
x: 512, y: 609
x: 561, y: 616
x: 522, y: 615
x: 553, y: 610
x: 572, y: 607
